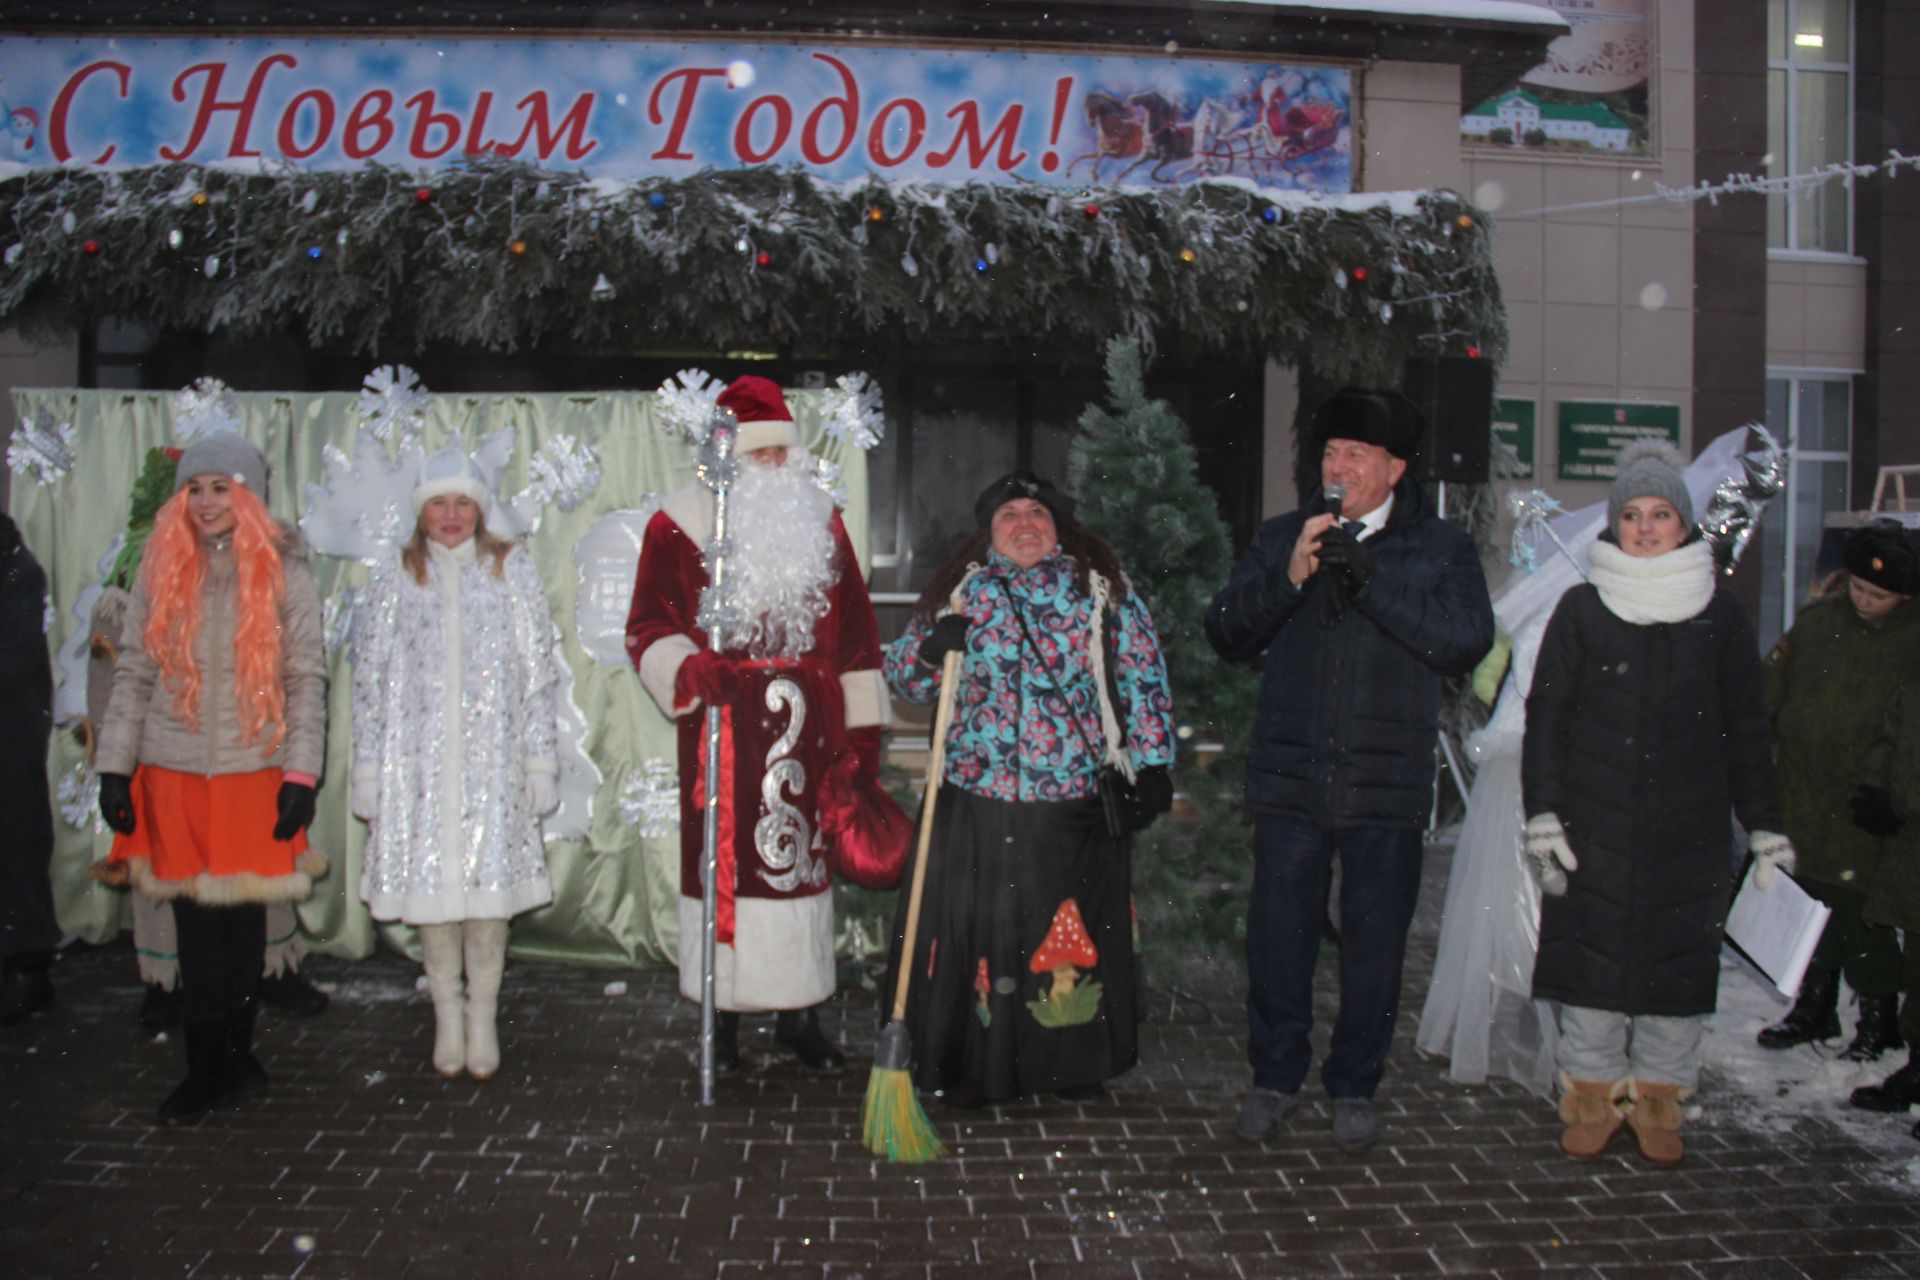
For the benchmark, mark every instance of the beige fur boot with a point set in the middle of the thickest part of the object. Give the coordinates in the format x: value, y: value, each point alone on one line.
x: 1655, y: 1115
x: 440, y: 950
x: 486, y: 957
x: 1593, y: 1115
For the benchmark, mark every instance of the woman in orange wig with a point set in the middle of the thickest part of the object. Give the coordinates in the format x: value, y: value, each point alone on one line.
x: 212, y: 745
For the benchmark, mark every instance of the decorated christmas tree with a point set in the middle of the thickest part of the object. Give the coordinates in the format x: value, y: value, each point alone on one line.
x: 1136, y: 475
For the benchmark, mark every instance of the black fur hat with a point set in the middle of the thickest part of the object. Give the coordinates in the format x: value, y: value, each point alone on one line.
x: 1022, y: 484
x: 1884, y: 553
x: 1384, y: 418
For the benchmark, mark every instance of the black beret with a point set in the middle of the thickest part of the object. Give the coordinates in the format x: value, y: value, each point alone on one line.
x: 1022, y: 484
x: 1884, y: 553
x: 1384, y: 418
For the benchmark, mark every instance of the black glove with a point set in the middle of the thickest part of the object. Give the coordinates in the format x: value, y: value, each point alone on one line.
x: 1345, y: 557
x: 296, y: 810
x: 949, y: 635
x: 116, y: 802
x: 1873, y: 811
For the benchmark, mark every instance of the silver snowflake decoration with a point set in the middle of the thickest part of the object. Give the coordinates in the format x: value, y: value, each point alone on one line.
x: 650, y: 799
x: 43, y: 447
x: 336, y: 620
x: 1533, y: 513
x: 392, y: 402
x: 831, y: 481
x: 565, y: 473
x: 683, y: 406
x: 850, y: 411
x: 206, y: 406
x: 388, y: 525
x: 78, y: 797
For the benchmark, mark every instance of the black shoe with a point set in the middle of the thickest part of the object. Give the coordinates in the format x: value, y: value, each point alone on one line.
x: 1877, y: 1031
x: 798, y: 1032
x: 28, y: 989
x: 242, y: 1077
x: 726, y: 1042
x: 159, y: 1009
x: 206, y: 1069
x: 290, y: 993
x: 1081, y: 1092
x: 1814, y: 1016
x: 1896, y: 1093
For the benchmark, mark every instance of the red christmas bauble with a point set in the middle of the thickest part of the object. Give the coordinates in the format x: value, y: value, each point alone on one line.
x: 424, y: 195
x: 91, y: 248
x: 1359, y: 273
x: 763, y: 258
x: 1092, y: 211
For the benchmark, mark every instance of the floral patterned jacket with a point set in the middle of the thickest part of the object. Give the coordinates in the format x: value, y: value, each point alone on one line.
x: 1011, y: 738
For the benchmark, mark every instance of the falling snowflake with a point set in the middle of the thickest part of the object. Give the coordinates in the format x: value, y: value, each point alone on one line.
x: 828, y: 476
x: 565, y: 473
x: 391, y: 401
x: 78, y: 797
x: 206, y: 406
x: 683, y: 406
x: 42, y: 446
x: 336, y: 620
x: 851, y: 411
x: 650, y: 799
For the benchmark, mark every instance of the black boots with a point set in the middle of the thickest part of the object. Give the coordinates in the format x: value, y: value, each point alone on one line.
x: 28, y: 989
x: 1896, y: 1093
x: 159, y: 1009
x: 1877, y: 1031
x: 798, y: 1032
x: 726, y: 1042
x: 205, y: 1085
x: 242, y: 1075
x: 1814, y: 1016
x: 290, y: 993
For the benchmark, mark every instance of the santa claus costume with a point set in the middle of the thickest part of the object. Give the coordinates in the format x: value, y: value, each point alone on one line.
x: 800, y: 691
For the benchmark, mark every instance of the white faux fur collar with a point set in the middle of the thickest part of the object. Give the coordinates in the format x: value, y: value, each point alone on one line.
x: 1645, y: 590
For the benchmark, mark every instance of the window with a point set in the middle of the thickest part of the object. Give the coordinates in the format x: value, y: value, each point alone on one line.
x: 1809, y: 121
x: 1812, y: 415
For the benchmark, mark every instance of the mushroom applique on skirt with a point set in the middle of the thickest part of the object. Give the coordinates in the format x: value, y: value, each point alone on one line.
x: 1023, y: 975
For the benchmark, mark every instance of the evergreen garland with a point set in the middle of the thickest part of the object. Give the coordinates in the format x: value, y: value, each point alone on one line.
x: 1135, y: 474
x: 504, y: 255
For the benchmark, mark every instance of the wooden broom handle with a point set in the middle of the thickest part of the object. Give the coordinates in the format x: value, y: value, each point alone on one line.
x: 942, y: 718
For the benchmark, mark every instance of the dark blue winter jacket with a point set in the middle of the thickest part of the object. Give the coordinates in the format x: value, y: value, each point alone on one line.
x: 1350, y: 698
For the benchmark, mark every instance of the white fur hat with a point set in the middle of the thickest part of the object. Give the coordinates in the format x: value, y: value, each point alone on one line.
x: 450, y: 470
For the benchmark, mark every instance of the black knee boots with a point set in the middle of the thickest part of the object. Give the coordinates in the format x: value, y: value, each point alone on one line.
x: 1877, y: 1031
x: 798, y: 1032
x: 1814, y: 1016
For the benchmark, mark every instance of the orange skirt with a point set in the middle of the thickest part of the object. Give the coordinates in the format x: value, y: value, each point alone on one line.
x: 211, y: 838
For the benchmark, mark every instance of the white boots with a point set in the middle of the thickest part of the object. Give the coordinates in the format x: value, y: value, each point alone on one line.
x: 464, y: 1037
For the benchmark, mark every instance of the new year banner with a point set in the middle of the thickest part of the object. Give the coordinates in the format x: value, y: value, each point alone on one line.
x: 627, y: 109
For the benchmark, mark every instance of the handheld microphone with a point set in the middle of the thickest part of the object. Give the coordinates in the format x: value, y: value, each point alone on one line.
x: 1332, y: 496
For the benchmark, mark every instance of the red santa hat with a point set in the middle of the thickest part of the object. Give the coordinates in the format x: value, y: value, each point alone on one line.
x: 762, y: 413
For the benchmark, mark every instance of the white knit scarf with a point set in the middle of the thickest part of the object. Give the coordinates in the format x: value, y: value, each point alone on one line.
x: 1647, y: 589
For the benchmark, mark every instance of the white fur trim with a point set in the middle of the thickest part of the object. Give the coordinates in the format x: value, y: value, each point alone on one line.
x: 765, y: 435
x: 781, y: 957
x: 430, y: 489
x: 660, y: 665
x: 866, y: 694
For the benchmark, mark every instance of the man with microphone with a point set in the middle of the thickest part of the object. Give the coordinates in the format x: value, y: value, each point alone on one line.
x: 1360, y: 605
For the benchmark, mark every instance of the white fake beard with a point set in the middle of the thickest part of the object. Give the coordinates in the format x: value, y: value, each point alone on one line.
x: 781, y: 559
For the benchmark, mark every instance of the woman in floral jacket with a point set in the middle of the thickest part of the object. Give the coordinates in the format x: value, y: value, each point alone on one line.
x: 1023, y: 972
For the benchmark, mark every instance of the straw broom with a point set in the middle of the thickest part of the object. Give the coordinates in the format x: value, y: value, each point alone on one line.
x: 896, y: 1127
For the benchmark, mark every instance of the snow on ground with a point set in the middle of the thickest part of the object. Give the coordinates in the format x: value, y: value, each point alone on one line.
x: 1776, y: 1091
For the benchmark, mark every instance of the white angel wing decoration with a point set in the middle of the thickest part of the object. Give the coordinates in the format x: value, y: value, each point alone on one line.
x: 607, y: 556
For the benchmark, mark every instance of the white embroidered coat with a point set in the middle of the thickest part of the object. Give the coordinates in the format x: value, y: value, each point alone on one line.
x: 453, y: 836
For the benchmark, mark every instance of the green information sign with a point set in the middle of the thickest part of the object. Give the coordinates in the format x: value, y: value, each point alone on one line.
x: 1513, y: 426
x: 1593, y: 432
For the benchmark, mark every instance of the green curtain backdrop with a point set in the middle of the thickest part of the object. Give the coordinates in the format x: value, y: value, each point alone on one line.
x: 614, y: 890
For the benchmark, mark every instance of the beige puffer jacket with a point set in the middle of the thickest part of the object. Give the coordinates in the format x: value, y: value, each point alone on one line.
x: 140, y: 726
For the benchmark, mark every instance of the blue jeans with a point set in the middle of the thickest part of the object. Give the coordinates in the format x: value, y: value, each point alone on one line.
x: 1379, y: 883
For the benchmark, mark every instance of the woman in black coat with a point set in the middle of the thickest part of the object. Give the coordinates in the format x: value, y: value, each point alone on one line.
x: 1645, y: 725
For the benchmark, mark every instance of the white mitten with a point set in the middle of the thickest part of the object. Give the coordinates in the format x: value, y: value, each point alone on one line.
x: 1770, y: 850
x: 1548, y: 851
x: 363, y: 795
x: 543, y: 793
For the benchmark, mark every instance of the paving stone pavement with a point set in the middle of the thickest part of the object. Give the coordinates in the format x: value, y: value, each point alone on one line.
x: 589, y: 1156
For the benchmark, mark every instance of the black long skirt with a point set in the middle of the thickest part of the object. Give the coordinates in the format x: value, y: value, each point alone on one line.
x: 1023, y: 970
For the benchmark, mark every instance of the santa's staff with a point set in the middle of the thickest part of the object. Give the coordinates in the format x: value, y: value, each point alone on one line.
x: 719, y: 474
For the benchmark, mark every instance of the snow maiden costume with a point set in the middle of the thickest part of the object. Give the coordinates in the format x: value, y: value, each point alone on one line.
x: 211, y: 747
x: 454, y: 755
x: 1023, y: 973
x: 1646, y: 724
x: 801, y: 693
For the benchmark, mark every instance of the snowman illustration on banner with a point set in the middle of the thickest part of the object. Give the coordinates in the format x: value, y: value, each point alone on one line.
x: 362, y: 509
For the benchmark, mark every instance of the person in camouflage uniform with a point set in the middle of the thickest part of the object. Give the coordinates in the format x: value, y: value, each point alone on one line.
x: 1830, y: 681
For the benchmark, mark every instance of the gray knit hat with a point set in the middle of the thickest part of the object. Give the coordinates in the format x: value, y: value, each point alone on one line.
x: 1650, y: 469
x: 223, y: 453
